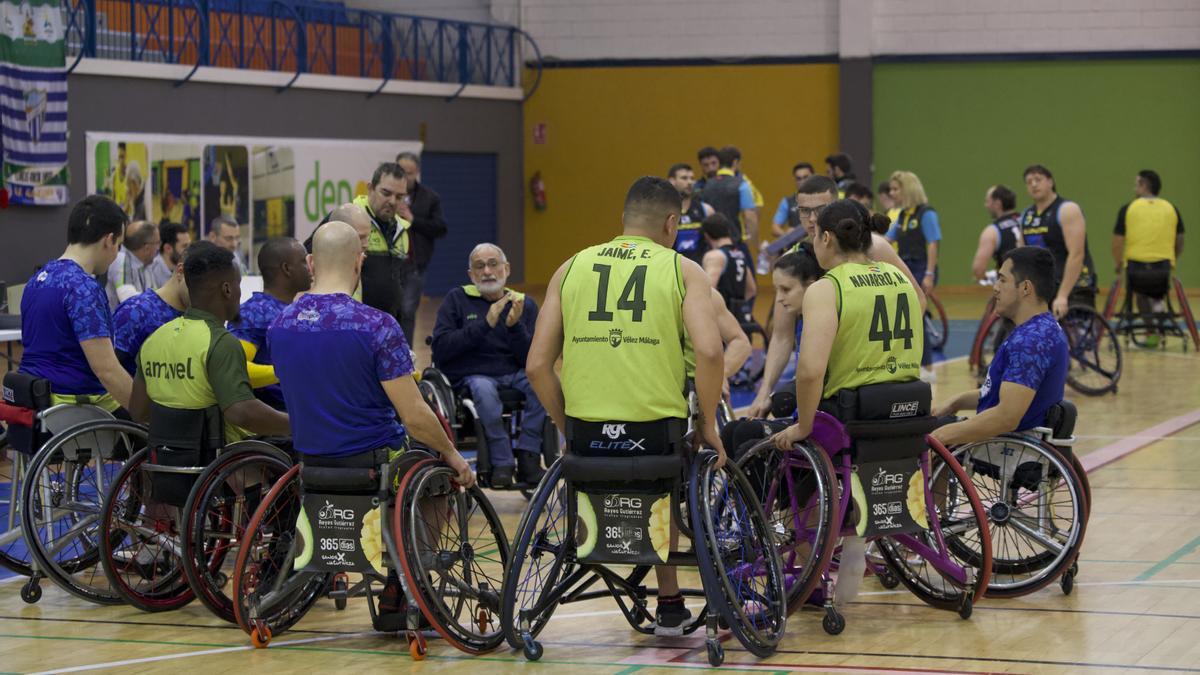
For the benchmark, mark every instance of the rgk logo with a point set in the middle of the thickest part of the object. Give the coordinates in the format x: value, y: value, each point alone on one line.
x: 905, y: 409
x: 613, y: 431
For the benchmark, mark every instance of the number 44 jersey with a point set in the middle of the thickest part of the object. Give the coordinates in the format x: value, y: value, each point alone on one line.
x: 880, y: 328
x: 622, y: 305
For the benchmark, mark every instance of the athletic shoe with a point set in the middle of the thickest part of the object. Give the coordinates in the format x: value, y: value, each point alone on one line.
x: 529, y: 468
x: 670, y: 619
x: 502, y: 476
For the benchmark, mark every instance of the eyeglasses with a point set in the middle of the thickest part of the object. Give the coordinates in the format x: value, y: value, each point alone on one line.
x: 481, y: 265
x: 806, y: 212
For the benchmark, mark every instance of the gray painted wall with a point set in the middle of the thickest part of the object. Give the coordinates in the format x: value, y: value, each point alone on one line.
x: 31, y: 236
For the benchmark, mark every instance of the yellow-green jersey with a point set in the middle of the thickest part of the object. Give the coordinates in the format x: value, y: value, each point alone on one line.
x: 622, y: 305
x: 192, y: 363
x: 880, y: 330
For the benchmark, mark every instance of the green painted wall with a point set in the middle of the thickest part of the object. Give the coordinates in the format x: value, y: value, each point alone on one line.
x: 962, y: 127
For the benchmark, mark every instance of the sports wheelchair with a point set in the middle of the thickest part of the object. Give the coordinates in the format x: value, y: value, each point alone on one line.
x: 51, y: 486
x: 1147, y: 330
x: 588, y: 513
x: 458, y: 410
x: 372, y: 514
x: 175, y: 513
x: 1096, y: 360
x: 878, y: 478
x: 1037, y: 500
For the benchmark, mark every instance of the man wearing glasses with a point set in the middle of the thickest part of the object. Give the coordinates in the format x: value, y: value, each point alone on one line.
x: 480, y: 343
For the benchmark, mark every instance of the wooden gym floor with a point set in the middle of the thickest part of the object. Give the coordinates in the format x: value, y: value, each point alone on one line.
x: 1136, y: 605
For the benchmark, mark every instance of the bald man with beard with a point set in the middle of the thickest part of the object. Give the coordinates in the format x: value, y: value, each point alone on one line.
x: 343, y: 413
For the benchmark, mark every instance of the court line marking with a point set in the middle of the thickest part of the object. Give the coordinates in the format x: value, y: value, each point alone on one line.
x: 1127, y: 446
x: 205, y: 652
x: 1166, y: 562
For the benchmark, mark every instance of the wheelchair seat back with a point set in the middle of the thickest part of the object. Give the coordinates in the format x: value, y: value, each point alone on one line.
x: 1060, y: 419
x: 25, y: 395
x: 625, y: 477
x: 887, y: 424
x: 182, y: 443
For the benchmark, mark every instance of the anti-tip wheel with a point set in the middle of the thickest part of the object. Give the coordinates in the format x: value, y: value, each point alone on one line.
x: 260, y: 636
x: 716, y: 653
x: 1067, y: 582
x: 966, y: 607
x: 31, y: 592
x: 888, y: 580
x: 532, y: 648
x: 833, y: 623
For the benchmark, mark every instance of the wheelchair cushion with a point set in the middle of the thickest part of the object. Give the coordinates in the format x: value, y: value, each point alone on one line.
x: 339, y: 479
x: 1060, y: 418
x: 511, y: 399
x: 27, y: 391
x: 201, y: 431
x: 609, y: 469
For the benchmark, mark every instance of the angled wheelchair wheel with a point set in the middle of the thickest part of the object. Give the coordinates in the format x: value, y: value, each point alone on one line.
x: 217, y: 512
x: 738, y: 561
x: 14, y: 553
x: 452, y: 550
x: 62, y: 502
x: 800, y: 499
x: 269, y: 595
x: 1095, y: 367
x: 543, y: 556
x: 1036, y: 511
x: 945, y: 575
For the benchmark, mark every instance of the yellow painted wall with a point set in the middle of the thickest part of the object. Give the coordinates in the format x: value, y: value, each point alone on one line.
x: 605, y: 127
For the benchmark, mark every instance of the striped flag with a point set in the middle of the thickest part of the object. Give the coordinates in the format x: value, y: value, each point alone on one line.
x: 33, y: 101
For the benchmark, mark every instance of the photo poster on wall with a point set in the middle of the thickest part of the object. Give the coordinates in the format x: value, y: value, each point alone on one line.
x: 270, y: 186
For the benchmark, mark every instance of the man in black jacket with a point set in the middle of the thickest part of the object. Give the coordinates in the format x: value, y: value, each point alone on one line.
x: 480, y: 343
x: 423, y: 209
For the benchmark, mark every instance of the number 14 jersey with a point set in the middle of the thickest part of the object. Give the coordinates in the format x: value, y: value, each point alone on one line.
x: 623, y: 331
x: 880, y: 327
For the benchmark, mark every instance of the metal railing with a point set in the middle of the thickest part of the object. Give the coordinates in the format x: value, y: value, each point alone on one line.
x: 299, y: 36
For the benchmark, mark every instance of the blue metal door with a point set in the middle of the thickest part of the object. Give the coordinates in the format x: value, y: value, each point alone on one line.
x: 467, y: 185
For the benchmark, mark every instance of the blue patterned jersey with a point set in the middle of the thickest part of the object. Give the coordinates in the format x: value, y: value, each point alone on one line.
x: 1035, y: 355
x: 134, y: 321
x: 257, y: 315
x: 62, y: 306
x: 331, y: 354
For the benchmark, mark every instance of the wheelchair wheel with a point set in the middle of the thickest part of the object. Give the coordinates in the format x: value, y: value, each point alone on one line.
x: 1036, y: 512
x: 937, y: 326
x: 988, y: 339
x: 799, y: 497
x: 139, y: 543
x: 543, y: 555
x: 1095, y: 366
x: 452, y: 550
x: 14, y: 554
x: 216, y: 514
x: 945, y: 576
x: 269, y: 596
x: 739, y: 564
x: 62, y: 502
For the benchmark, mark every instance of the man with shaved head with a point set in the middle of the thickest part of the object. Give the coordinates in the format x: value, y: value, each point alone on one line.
x: 343, y: 407
x: 480, y: 343
x: 284, y: 268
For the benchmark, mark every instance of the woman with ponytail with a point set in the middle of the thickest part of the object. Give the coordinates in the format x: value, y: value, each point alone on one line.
x: 862, y: 319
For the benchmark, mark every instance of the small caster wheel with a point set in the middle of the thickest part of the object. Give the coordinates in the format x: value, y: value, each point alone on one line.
x: 260, y: 636
x: 716, y: 653
x: 341, y: 587
x: 888, y: 579
x: 1074, y: 570
x: 31, y: 592
x: 533, y: 648
x: 966, y: 607
x: 220, y: 580
x: 1067, y: 582
x: 483, y: 619
x: 833, y: 623
x: 416, y: 646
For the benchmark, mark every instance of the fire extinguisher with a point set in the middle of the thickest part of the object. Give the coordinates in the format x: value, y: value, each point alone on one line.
x: 537, y: 187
